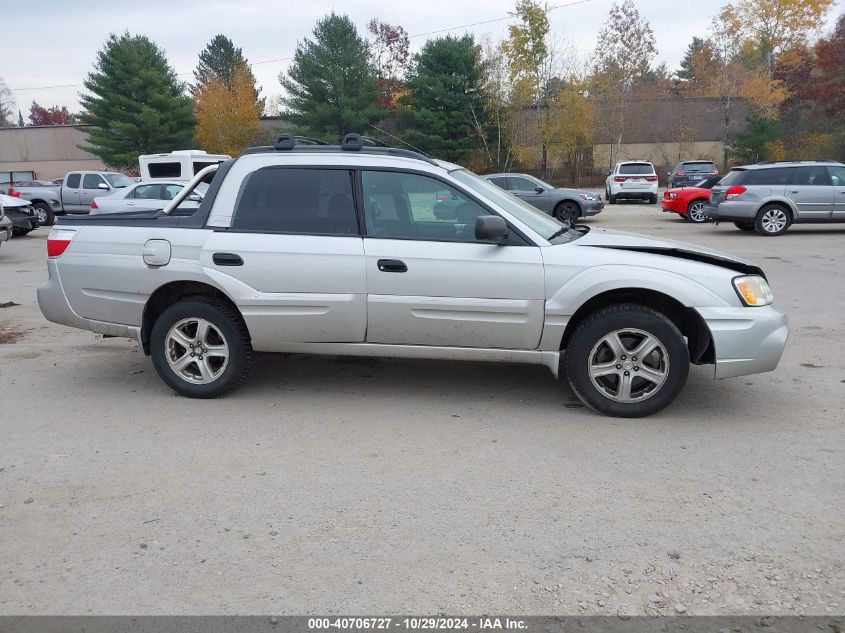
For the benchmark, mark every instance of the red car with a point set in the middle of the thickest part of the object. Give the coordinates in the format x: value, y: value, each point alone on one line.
x: 689, y: 202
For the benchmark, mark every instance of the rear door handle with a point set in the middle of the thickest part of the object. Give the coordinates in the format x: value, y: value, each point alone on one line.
x: 392, y: 266
x: 227, y: 259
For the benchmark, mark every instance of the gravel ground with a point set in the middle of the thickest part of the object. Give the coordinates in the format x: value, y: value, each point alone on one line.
x: 372, y: 486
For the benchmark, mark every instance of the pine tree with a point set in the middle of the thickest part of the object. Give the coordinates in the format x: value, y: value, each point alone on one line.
x: 20, y: 119
x: 218, y: 61
x: 135, y: 102
x: 331, y: 86
x: 444, y: 98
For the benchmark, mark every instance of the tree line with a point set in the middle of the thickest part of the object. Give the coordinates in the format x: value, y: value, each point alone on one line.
x: 521, y: 102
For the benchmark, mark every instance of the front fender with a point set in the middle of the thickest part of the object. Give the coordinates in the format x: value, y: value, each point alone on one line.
x: 600, y: 279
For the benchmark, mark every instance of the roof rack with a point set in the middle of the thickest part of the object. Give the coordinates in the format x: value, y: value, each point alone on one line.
x: 288, y: 142
x: 777, y: 162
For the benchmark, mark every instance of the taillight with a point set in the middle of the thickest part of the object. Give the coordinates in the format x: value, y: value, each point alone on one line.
x: 651, y: 178
x: 442, y: 197
x: 681, y: 173
x: 94, y: 204
x: 733, y: 192
x: 58, y: 240
x: 619, y: 179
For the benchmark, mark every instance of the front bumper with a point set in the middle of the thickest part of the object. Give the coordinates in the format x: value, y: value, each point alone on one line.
x: 591, y: 207
x: 746, y: 340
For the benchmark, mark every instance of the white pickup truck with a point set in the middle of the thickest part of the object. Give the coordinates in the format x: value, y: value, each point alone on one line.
x: 337, y: 250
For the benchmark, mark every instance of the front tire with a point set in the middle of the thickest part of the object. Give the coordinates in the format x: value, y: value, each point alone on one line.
x: 772, y: 220
x: 20, y: 232
x: 201, y: 348
x: 627, y: 361
x: 45, y: 215
x: 568, y: 211
x: 695, y: 212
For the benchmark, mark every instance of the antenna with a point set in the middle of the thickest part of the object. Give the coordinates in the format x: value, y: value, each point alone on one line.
x: 416, y: 149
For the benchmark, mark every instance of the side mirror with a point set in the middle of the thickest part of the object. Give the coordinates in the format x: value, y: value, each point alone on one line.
x: 539, y: 189
x: 103, y: 185
x: 608, y: 172
x: 491, y: 228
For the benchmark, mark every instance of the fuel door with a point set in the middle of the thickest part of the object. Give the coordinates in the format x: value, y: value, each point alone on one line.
x: 157, y: 253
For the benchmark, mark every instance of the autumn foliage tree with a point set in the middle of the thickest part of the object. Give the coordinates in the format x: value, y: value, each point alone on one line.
x: 623, y: 56
x: 54, y: 115
x: 227, y: 114
x: 389, y: 51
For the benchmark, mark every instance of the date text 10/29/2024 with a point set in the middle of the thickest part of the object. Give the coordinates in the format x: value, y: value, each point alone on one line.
x: 416, y: 623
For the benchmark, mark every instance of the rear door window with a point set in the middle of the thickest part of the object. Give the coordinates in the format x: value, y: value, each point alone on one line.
x: 310, y: 201
x: 522, y: 184
x: 147, y: 192
x: 73, y: 181
x: 500, y: 182
x: 636, y: 169
x: 814, y: 176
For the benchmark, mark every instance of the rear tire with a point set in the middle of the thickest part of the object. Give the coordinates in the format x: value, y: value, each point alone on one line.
x: 201, y: 348
x: 603, y: 368
x: 744, y: 226
x: 652, y: 200
x: 20, y: 232
x: 46, y: 217
x: 772, y: 220
x: 611, y: 199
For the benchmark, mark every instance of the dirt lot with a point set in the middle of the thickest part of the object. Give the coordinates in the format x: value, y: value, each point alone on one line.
x: 374, y: 486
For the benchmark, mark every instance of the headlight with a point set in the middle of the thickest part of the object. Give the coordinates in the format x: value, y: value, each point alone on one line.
x: 672, y: 194
x: 753, y: 290
x: 588, y: 196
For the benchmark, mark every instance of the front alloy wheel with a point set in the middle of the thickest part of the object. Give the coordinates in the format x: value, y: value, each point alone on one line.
x: 626, y: 360
x: 568, y: 212
x: 629, y: 365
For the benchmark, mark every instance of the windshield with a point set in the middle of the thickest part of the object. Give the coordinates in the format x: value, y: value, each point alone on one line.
x: 118, y: 181
x: 536, y: 220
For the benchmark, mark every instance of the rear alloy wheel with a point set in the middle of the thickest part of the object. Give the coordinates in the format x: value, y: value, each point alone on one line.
x: 695, y: 212
x: 744, y: 226
x: 627, y: 361
x: 568, y: 211
x: 772, y: 220
x: 201, y: 348
x: 44, y: 214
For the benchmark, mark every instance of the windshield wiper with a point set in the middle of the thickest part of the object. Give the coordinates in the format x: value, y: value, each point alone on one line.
x: 559, y: 232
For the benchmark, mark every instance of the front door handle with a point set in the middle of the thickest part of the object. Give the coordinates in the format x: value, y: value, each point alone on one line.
x: 227, y: 259
x: 392, y: 266
x: 793, y: 191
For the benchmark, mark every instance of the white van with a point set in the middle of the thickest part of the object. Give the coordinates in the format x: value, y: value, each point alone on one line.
x: 177, y: 165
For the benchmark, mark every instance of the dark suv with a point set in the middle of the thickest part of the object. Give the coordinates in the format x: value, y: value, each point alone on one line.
x: 689, y: 172
x: 769, y: 197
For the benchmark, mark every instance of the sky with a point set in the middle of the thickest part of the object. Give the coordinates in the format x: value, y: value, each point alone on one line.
x: 64, y: 37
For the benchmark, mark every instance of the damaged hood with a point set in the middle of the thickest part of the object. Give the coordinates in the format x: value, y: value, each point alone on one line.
x: 634, y: 242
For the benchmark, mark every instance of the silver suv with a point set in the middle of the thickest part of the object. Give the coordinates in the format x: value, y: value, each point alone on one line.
x: 338, y: 250
x: 768, y: 197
